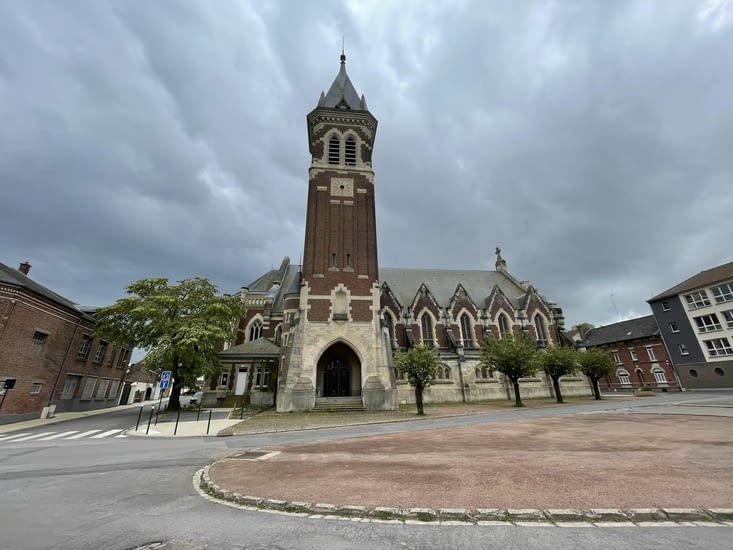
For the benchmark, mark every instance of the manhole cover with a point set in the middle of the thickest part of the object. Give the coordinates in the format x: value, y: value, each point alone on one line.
x: 254, y: 455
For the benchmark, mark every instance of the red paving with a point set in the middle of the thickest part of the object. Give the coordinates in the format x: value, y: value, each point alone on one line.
x: 590, y: 461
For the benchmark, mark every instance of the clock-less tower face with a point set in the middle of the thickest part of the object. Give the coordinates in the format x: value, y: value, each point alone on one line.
x: 340, y: 235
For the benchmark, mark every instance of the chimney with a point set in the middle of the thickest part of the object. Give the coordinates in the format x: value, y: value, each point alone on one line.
x: 24, y: 268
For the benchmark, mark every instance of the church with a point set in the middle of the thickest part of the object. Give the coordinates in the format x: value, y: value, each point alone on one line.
x: 322, y: 335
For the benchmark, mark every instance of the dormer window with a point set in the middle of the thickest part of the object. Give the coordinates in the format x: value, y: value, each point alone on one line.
x: 350, y: 152
x: 334, y: 150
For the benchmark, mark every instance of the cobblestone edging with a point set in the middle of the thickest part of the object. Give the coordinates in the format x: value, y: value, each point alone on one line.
x: 595, y: 517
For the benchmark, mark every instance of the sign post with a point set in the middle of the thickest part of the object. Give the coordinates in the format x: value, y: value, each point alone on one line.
x: 165, y: 381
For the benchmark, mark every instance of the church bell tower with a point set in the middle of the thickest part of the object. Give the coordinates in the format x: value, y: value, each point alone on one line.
x: 338, y: 349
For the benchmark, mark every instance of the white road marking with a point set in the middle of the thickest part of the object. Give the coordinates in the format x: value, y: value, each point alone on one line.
x: 29, y: 437
x: 105, y: 434
x: 83, y: 434
x: 59, y: 435
x: 9, y: 437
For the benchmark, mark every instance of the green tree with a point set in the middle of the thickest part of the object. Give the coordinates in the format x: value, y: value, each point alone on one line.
x: 558, y: 361
x: 514, y: 357
x: 420, y: 365
x: 181, y: 327
x: 595, y: 364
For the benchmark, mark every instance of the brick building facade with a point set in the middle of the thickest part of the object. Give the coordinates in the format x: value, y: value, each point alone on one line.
x: 48, y: 352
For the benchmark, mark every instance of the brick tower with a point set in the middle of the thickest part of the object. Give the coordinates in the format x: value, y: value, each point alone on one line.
x: 338, y: 348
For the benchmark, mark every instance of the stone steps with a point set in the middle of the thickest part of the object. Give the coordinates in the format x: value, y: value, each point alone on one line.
x: 339, y: 404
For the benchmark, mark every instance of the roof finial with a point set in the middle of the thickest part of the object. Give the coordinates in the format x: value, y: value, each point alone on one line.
x: 500, y: 262
x: 343, y: 55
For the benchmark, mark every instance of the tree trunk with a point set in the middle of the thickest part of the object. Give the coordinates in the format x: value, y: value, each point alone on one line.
x: 418, y: 400
x: 174, y: 400
x: 596, y: 389
x: 517, y: 398
x: 556, y: 385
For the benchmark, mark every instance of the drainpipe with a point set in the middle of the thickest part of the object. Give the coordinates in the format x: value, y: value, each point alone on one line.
x: 460, y: 373
x: 63, y: 363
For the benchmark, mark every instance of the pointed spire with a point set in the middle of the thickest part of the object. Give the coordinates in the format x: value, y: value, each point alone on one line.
x: 342, y: 94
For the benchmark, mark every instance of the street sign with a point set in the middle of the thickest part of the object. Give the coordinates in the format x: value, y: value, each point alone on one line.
x: 164, y: 384
x: 165, y: 375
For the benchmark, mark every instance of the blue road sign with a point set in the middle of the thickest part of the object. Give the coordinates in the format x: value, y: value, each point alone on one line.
x: 165, y: 375
x: 164, y: 384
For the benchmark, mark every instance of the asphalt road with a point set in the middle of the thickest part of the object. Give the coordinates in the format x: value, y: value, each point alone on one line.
x: 125, y: 493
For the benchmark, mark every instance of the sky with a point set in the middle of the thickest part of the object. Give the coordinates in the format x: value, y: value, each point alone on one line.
x: 591, y: 141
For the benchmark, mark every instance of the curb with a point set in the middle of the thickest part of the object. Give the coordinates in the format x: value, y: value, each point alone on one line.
x: 594, y: 517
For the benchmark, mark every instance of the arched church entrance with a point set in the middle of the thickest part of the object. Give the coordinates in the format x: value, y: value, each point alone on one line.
x: 339, y: 372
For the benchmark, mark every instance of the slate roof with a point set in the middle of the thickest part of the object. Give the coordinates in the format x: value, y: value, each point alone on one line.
x: 256, y: 349
x: 342, y: 93
x: 704, y: 278
x: 442, y: 283
x: 641, y: 327
x: 13, y: 277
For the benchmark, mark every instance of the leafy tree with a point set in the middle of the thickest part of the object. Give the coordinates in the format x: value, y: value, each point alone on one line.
x: 595, y: 364
x: 514, y: 357
x: 558, y: 361
x: 420, y: 365
x: 180, y: 326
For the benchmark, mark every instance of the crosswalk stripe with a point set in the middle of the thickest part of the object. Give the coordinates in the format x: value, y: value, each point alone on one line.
x: 29, y: 437
x: 58, y: 436
x: 105, y: 434
x: 121, y: 435
x: 9, y: 437
x: 83, y: 434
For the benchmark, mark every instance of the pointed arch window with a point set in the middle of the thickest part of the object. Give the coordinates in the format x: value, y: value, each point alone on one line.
x: 255, y: 331
x: 389, y: 320
x: 426, y: 324
x: 350, y: 151
x: 503, y: 325
x: 466, y: 333
x: 278, y: 334
x: 334, y: 150
x: 539, y: 325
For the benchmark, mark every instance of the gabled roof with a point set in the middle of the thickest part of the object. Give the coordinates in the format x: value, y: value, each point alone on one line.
x: 342, y: 94
x: 442, y: 283
x: 262, y: 348
x: 641, y: 327
x: 13, y: 277
x: 704, y: 278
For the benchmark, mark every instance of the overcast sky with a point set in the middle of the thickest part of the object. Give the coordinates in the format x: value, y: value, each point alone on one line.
x: 591, y: 141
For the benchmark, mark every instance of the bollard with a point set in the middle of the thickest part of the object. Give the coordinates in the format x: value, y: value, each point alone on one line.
x: 175, y: 430
x: 152, y: 410
x: 209, y: 424
x: 139, y: 416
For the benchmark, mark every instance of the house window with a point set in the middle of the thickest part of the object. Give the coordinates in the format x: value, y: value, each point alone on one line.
x: 539, y: 325
x: 623, y: 377
x: 124, y: 356
x: 334, y: 150
x: 707, y: 323
x: 100, y: 351
x: 665, y: 305
x: 466, y: 331
x: 86, y: 344
x: 697, y: 299
x: 443, y: 373
x: 69, y: 387
x: 616, y: 358
x: 503, y: 325
x: 650, y: 353
x: 36, y: 388
x: 88, y: 390
x: 348, y: 260
x: 426, y: 323
x: 719, y: 371
x: 723, y: 293
x: 223, y: 379
x: 634, y: 357
x: 39, y: 337
x: 683, y: 349
x: 333, y: 259
x: 255, y: 331
x: 693, y: 373
x: 728, y: 316
x: 350, y: 151
x: 674, y: 327
x: 262, y: 377
x: 659, y: 376
x: 102, y: 388
x: 113, y: 388
x: 718, y: 346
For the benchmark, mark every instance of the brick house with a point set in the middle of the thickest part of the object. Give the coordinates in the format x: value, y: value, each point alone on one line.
x: 638, y: 352
x: 48, y: 354
x: 333, y: 323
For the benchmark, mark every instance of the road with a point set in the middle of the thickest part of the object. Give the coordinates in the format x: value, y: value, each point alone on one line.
x: 125, y: 493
